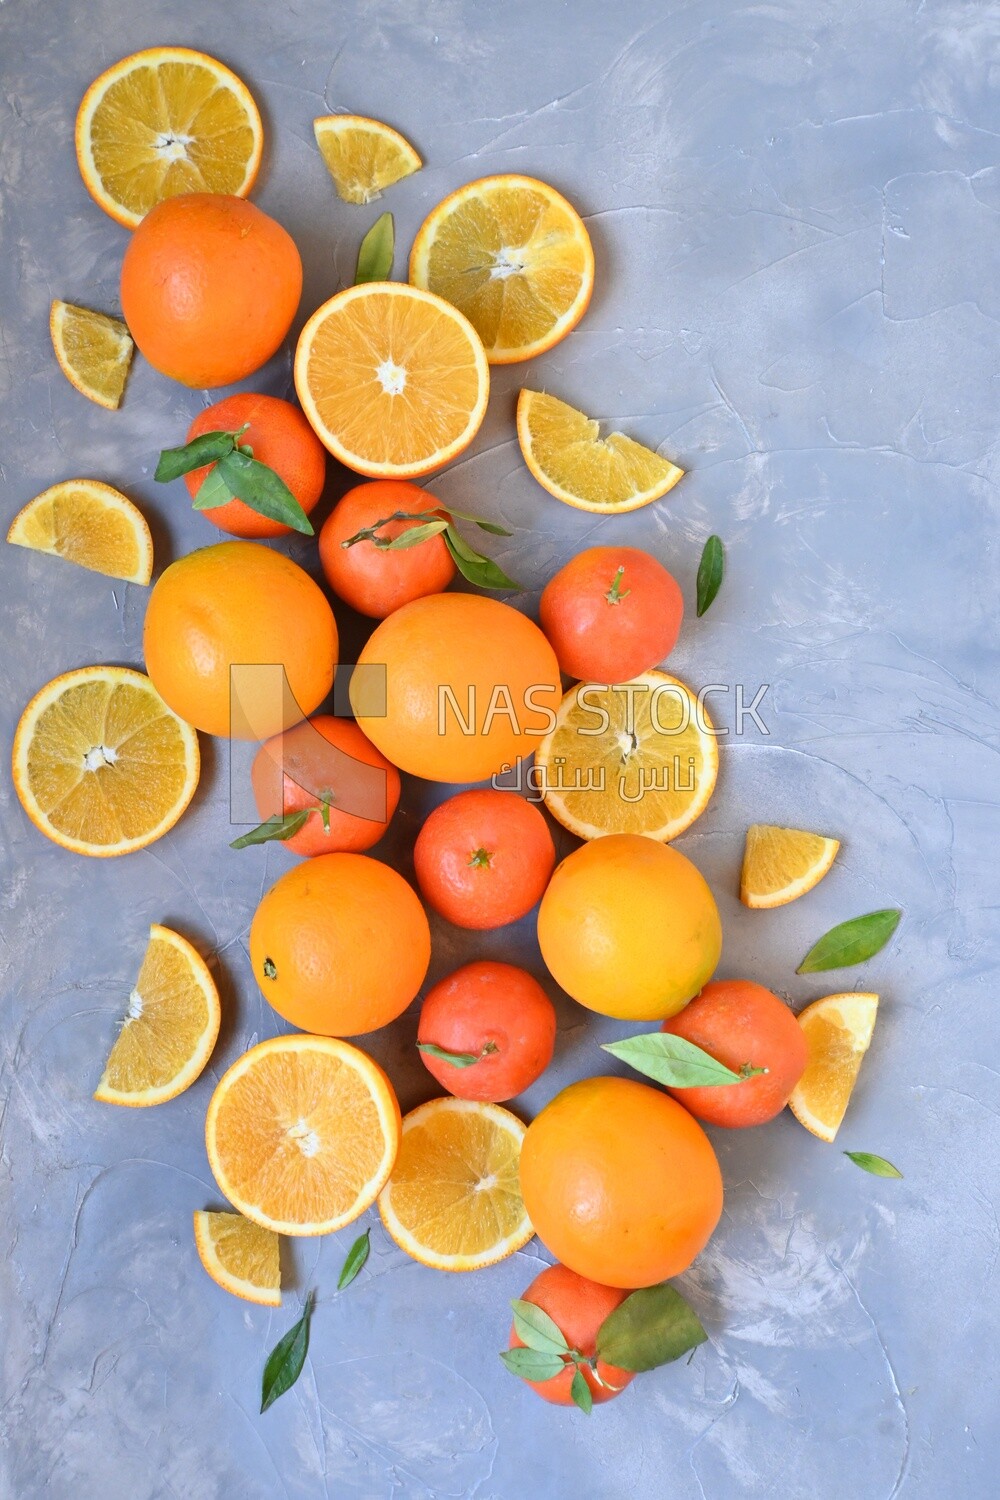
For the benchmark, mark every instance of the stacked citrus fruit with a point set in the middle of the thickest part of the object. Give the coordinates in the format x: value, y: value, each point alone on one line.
x: 304, y: 1131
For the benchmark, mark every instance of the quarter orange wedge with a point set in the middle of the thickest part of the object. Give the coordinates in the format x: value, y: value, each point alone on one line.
x: 90, y: 524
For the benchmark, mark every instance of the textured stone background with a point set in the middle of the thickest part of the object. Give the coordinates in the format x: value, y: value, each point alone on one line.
x: 794, y: 207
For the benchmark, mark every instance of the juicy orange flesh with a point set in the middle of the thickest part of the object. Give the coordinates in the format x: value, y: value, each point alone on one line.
x: 417, y: 348
x: 98, y: 350
x: 568, y: 448
x: 106, y: 762
x: 635, y: 757
x: 168, y: 1013
x: 244, y: 1250
x: 76, y: 524
x: 299, y: 1136
x: 455, y: 1186
x: 167, y: 128
x: 364, y: 161
x: 512, y: 259
x: 831, y: 1073
x: 778, y: 857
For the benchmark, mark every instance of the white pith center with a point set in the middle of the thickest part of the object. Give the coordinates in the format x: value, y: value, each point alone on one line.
x: 307, y: 1140
x: 134, y: 1007
x: 508, y: 262
x: 486, y: 1184
x: 101, y: 755
x: 391, y: 377
x: 172, y: 146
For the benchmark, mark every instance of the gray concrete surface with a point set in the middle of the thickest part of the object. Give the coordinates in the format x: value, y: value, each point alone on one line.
x: 794, y: 210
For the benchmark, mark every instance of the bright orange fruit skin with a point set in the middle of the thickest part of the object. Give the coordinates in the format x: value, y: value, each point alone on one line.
x: 620, y: 1182
x: 238, y: 604
x: 209, y: 287
x: 280, y: 437
x: 629, y: 927
x: 470, y: 684
x: 484, y: 857
x: 488, y: 1003
x: 607, y: 632
x: 373, y: 580
x: 340, y: 945
x: 578, y: 1307
x: 738, y: 1022
x: 292, y: 770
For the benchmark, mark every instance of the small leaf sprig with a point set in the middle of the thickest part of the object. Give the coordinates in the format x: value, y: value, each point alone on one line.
x: 235, y: 475
x: 876, y: 1165
x: 355, y: 1260
x: 377, y: 252
x: 482, y: 571
x: 285, y: 826
x: 458, y: 1059
x: 676, y: 1062
x: 286, y: 1360
x: 851, y: 942
x: 710, y: 573
x: 651, y: 1327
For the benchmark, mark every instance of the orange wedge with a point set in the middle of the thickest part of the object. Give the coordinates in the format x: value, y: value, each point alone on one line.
x: 240, y: 1256
x: 838, y: 1030
x: 90, y: 524
x: 454, y: 1200
x: 393, y: 380
x: 514, y: 256
x: 364, y: 157
x: 635, y: 757
x: 567, y: 455
x: 170, y: 1026
x: 782, y: 864
x: 93, y: 350
x: 302, y: 1133
x: 166, y: 121
x: 102, y: 766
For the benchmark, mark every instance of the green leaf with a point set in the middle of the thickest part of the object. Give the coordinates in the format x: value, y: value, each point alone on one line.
x: 876, y: 1165
x: 490, y: 526
x: 207, y: 449
x: 212, y: 491
x: 851, y: 942
x: 457, y: 1059
x: 259, y: 487
x: 479, y: 570
x: 532, y: 1364
x: 651, y: 1327
x: 274, y: 828
x: 356, y: 1257
x: 285, y: 1361
x: 710, y: 571
x: 581, y: 1393
x: 676, y: 1062
x: 535, y: 1328
x: 376, y: 253
x: 412, y: 536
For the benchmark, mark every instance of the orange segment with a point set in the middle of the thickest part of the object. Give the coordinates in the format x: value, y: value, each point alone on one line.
x: 781, y: 864
x: 838, y: 1030
x: 93, y: 350
x: 514, y: 256
x: 363, y: 156
x: 165, y: 121
x: 567, y: 455
x: 241, y: 1257
x: 101, y: 764
x: 454, y: 1201
x: 302, y: 1133
x: 393, y: 380
x: 170, y: 1026
x: 90, y: 524
x: 638, y: 757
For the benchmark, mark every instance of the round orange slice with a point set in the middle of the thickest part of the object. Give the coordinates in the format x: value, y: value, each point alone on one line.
x: 393, y: 380
x: 302, y: 1133
x: 165, y: 121
x: 514, y: 256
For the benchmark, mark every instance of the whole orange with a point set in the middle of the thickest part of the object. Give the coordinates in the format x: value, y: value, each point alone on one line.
x: 578, y: 1307
x: 620, y: 1182
x: 376, y: 580
x: 629, y: 928
x: 340, y: 945
x: 469, y: 686
x: 326, y: 761
x: 209, y: 287
x: 280, y: 437
x: 239, y: 605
